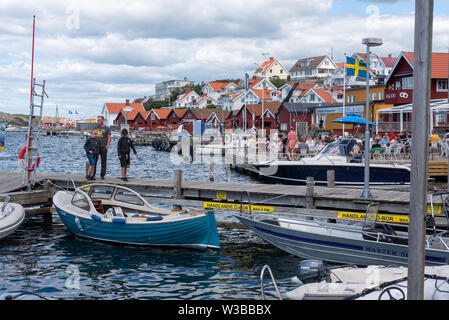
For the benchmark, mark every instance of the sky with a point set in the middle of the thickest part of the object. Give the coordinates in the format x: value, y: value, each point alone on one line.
x: 92, y: 52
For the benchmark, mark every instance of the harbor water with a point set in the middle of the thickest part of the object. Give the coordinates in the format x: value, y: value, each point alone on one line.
x: 44, y: 258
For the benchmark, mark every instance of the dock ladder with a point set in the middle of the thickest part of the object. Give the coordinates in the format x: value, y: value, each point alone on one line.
x: 31, y: 157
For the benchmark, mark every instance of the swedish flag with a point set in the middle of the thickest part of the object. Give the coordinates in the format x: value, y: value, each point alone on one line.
x: 355, y: 68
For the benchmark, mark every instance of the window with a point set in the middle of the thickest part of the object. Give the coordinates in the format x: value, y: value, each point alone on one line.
x: 153, y: 116
x: 381, y: 95
x: 441, y: 85
x: 102, y: 192
x: 407, y: 83
x: 282, y: 71
x: 312, y: 97
x: 308, y: 72
x: 283, y: 126
x: 128, y: 197
x: 441, y: 118
x: 351, y: 98
x: 374, y: 96
x: 398, y: 85
x: 80, y: 200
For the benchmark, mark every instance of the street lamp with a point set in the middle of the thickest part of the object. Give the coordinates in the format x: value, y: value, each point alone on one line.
x: 369, y: 42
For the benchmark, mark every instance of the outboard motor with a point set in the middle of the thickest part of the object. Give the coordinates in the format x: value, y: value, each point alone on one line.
x: 310, y: 271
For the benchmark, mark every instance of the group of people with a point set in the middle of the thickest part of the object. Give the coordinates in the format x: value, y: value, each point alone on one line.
x: 97, y: 146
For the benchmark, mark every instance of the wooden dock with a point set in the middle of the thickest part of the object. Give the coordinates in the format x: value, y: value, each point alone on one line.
x: 278, y: 198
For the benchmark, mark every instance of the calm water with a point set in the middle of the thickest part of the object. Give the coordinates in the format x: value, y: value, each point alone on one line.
x: 46, y: 259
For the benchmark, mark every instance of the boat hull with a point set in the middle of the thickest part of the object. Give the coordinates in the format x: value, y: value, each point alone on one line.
x: 199, y: 232
x: 345, y: 174
x: 338, y: 249
x: 11, y: 220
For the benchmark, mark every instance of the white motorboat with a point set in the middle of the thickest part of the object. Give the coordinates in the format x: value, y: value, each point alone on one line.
x: 11, y: 217
x: 371, y: 283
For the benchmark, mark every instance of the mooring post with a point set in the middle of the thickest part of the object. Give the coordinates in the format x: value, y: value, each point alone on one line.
x: 420, y: 147
x: 211, y: 167
x: 177, y: 188
x: 309, y: 194
x: 228, y: 172
x: 330, y: 178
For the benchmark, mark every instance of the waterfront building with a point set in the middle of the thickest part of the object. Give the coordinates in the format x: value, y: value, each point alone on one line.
x: 162, y: 119
x: 136, y: 118
x: 399, y: 84
x: 111, y: 110
x: 271, y: 69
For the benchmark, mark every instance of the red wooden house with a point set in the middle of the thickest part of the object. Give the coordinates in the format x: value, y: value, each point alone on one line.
x: 135, y: 118
x: 399, y: 85
x: 162, y: 119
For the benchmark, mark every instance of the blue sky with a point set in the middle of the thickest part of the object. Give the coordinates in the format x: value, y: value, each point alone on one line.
x: 92, y: 52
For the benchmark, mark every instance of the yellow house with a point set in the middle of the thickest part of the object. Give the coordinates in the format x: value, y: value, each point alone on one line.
x: 355, y: 103
x: 271, y: 69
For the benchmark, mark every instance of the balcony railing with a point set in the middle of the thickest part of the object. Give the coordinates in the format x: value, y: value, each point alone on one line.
x: 393, y: 126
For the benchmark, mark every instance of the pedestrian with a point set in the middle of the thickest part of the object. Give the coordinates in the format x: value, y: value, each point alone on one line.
x: 104, y: 140
x: 124, y: 146
x: 92, y: 151
x: 291, y: 144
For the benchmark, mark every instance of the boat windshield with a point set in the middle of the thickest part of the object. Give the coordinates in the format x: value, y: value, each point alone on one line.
x: 125, y: 196
x: 341, y: 147
x: 80, y: 200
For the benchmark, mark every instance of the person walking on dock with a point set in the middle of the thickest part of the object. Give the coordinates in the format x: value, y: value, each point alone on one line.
x: 291, y: 144
x: 104, y: 140
x: 92, y: 151
x: 124, y: 146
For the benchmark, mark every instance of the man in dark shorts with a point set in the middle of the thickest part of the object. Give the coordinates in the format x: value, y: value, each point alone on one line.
x: 104, y: 140
x: 124, y: 146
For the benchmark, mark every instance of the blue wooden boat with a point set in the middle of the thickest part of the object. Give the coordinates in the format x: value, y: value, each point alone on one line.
x: 118, y: 214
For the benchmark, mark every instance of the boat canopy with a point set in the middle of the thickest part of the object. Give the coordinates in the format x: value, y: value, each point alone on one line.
x: 341, y: 147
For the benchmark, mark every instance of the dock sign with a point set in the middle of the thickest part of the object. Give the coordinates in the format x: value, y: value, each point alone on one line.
x: 236, y: 206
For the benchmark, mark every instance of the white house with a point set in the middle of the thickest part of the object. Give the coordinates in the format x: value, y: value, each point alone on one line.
x: 215, y: 89
x: 319, y: 67
x: 271, y: 69
x: 186, y: 99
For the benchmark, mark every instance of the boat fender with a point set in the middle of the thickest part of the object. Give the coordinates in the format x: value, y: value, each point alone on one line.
x: 78, y: 224
x: 96, y: 217
x: 157, y: 218
x: 118, y: 220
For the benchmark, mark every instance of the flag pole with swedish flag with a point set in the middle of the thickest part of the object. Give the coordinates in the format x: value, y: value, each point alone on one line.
x: 355, y: 68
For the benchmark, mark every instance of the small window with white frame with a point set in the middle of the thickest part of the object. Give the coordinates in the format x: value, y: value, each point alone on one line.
x: 441, y: 85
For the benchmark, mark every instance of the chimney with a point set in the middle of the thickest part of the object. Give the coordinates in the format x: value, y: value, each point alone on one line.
x: 389, y: 55
x: 271, y: 58
x: 187, y: 90
x: 127, y: 102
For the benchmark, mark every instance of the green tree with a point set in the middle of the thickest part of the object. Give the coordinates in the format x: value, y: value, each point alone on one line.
x: 278, y: 82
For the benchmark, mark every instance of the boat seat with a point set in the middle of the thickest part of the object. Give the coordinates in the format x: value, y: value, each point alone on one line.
x: 118, y: 212
x: 98, y: 205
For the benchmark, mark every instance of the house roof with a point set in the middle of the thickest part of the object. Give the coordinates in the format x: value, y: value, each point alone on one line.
x: 439, y: 64
x: 262, y: 94
x: 324, y: 94
x: 313, y: 63
x: 256, y: 109
x: 130, y: 115
x: 389, y: 61
x: 220, y: 85
x: 265, y: 65
x: 205, y: 113
x: 179, y: 112
x: 186, y: 94
x: 161, y: 114
x: 113, y: 107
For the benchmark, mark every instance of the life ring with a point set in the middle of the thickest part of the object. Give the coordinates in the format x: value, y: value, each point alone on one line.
x: 22, y: 160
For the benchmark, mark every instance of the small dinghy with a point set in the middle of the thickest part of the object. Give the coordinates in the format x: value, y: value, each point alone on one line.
x: 118, y: 214
x: 11, y: 217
